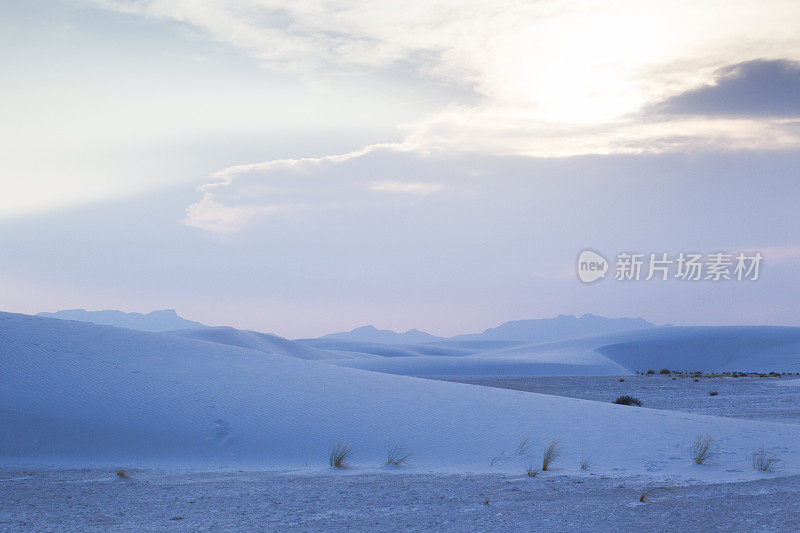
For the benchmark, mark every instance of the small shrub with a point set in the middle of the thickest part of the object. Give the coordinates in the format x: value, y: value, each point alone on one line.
x: 585, y: 463
x: 650, y: 492
x: 664, y: 371
x: 764, y: 461
x: 339, y: 455
x: 696, y: 380
x: 522, y: 447
x: 531, y: 470
x: 701, y: 449
x: 397, y: 456
x: 498, y: 458
x: 628, y: 400
x: 622, y: 380
x: 651, y: 372
x: 713, y: 393
x: 551, y: 453
x: 123, y: 473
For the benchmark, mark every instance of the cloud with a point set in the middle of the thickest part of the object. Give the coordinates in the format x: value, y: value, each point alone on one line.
x: 243, y: 194
x: 407, y: 188
x: 559, y: 77
x: 778, y: 253
x: 760, y: 88
x: 548, y: 79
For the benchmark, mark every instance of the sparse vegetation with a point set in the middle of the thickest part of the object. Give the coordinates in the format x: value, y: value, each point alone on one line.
x: 498, y: 458
x: 531, y: 470
x: 713, y: 393
x: 123, y: 473
x: 339, y: 454
x: 628, y: 400
x: 522, y: 448
x: 651, y: 372
x: 650, y: 492
x: 764, y: 461
x: 397, y: 456
x: 701, y: 449
x: 622, y: 380
x: 551, y: 453
x: 696, y: 375
x: 585, y: 464
x: 664, y: 371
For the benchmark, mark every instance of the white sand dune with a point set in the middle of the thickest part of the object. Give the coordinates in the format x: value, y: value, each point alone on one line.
x: 709, y: 349
x: 263, y: 342
x: 436, y: 349
x: 80, y: 394
x: 517, y: 361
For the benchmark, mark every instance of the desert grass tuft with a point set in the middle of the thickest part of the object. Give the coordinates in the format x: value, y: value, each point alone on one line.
x: 498, y: 458
x: 397, y: 456
x: 522, y: 447
x: 585, y: 463
x: 649, y: 493
x: 531, y: 470
x: 701, y: 449
x: 339, y: 454
x: 123, y: 473
x: 764, y: 461
x: 551, y: 453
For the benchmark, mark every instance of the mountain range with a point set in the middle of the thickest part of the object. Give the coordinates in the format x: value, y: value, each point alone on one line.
x: 156, y: 321
x: 530, y: 330
x: 518, y: 331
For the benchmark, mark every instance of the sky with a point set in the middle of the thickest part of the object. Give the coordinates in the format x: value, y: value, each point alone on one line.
x: 310, y: 168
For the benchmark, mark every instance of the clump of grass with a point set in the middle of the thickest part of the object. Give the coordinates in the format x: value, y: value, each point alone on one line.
x: 531, y: 470
x: 522, y: 447
x: 713, y: 393
x: 339, y: 454
x: 764, y: 461
x: 123, y: 473
x: 628, y: 400
x: 651, y: 372
x: 585, y: 463
x: 664, y: 371
x: 701, y: 449
x: 650, y: 492
x: 551, y: 453
x: 498, y: 458
x: 397, y: 456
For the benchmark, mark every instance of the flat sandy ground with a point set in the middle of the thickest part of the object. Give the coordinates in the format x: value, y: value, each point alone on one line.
x: 754, y: 398
x: 97, y: 500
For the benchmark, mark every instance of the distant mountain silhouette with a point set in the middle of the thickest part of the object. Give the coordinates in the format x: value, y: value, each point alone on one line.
x: 157, y: 321
x: 521, y: 331
x: 383, y: 336
x: 560, y: 327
